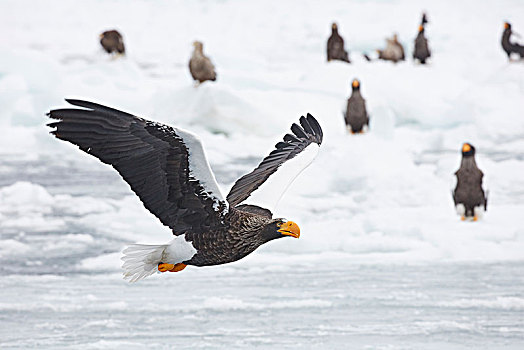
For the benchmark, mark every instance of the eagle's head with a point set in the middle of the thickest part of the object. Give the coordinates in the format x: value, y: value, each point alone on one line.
x: 468, y: 150
x: 198, y: 46
x: 280, y: 228
x: 355, y: 84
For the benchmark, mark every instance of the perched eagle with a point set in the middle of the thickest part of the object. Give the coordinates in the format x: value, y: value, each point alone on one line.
x: 200, y: 65
x: 356, y: 116
x: 424, y: 19
x: 469, y: 196
x: 394, y: 50
x: 335, y: 46
x: 421, y: 51
x: 112, y: 42
x: 507, y: 45
x: 167, y: 169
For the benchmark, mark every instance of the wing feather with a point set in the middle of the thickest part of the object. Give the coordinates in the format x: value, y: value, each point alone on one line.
x: 166, y: 167
x: 296, y: 151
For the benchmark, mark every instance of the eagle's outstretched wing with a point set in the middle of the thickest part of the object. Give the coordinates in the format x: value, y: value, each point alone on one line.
x: 166, y: 167
x: 264, y: 186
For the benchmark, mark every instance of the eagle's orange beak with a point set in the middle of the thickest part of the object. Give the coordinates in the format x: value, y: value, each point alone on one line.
x: 355, y: 83
x: 290, y: 229
x: 506, y: 25
x: 466, y: 148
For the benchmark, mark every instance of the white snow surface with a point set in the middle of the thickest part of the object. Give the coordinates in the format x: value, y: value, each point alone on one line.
x: 383, y: 261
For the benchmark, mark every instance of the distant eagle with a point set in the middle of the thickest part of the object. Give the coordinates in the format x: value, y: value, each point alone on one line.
x: 394, y: 50
x: 424, y: 19
x: 112, y: 42
x: 167, y: 169
x: 200, y: 65
x: 421, y: 51
x: 469, y: 196
x: 335, y: 46
x: 356, y: 116
x: 508, y: 46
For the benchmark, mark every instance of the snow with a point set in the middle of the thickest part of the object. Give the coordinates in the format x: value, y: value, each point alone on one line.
x: 383, y: 261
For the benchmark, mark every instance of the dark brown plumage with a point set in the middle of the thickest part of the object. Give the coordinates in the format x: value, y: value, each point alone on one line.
x: 469, y: 196
x: 167, y: 169
x: 421, y: 51
x: 200, y: 65
x: 240, y: 235
x: 424, y: 19
x: 335, y: 46
x: 112, y: 42
x: 356, y: 115
x: 507, y: 45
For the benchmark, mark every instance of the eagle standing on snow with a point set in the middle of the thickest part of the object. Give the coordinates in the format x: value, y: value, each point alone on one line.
x: 356, y: 116
x: 200, y: 65
x: 112, y: 42
x: 335, y: 46
x: 507, y: 45
x: 424, y: 19
x: 469, y: 196
x: 421, y: 51
x: 394, y: 50
x: 167, y: 169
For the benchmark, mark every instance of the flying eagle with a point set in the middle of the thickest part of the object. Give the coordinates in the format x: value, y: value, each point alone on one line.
x: 200, y: 65
x: 112, y: 41
x: 167, y: 169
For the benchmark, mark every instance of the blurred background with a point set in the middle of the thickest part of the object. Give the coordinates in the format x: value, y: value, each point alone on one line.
x: 383, y: 261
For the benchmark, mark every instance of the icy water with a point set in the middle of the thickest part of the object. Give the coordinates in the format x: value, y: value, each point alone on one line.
x: 321, y: 304
x: 70, y: 294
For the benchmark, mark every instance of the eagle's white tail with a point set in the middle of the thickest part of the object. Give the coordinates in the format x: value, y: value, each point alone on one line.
x: 141, y: 260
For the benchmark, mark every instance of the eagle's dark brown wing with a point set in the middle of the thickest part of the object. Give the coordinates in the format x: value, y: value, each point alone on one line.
x: 264, y: 186
x: 166, y: 167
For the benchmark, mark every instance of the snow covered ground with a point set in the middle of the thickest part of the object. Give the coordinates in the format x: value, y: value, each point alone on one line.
x: 383, y: 261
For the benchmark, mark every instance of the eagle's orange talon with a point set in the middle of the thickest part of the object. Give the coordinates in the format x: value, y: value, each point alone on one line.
x: 165, y: 267
x: 170, y: 267
x: 178, y: 267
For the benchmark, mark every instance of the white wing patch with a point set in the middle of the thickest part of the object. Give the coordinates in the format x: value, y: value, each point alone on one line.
x: 199, y: 166
x: 269, y: 193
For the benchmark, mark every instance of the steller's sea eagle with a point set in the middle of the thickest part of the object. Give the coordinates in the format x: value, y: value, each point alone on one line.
x: 167, y: 169
x: 421, y: 51
x: 508, y: 46
x: 356, y: 115
x: 469, y: 195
